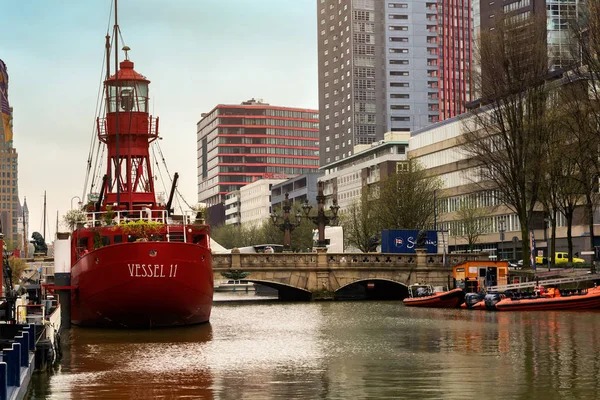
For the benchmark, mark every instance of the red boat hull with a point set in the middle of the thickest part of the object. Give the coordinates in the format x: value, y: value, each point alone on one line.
x: 142, y: 285
x: 572, y: 302
x: 451, y: 299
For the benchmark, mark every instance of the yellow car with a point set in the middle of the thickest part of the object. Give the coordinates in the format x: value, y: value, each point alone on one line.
x: 560, y: 257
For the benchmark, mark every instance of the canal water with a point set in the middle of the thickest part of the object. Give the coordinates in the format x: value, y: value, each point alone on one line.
x: 336, y: 350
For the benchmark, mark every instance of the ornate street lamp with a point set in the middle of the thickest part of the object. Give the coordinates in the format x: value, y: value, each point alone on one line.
x: 286, y: 225
x: 321, y: 219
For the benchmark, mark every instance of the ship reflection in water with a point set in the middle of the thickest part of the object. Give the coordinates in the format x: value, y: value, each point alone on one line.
x: 336, y: 350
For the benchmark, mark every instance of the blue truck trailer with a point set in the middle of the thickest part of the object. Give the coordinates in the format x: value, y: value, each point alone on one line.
x: 405, y: 241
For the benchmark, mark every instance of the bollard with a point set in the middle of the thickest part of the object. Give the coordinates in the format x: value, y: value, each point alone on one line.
x: 11, y: 366
x: 24, y: 360
x: 32, y: 336
x: 3, y: 381
x: 7, y: 358
x: 16, y: 367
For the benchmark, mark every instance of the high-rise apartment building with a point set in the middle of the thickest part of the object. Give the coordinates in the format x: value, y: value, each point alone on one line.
x: 239, y: 144
x: 10, y: 207
x: 378, y: 71
x: 558, y: 14
x: 455, y: 55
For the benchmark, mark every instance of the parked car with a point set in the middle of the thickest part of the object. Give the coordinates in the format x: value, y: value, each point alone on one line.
x: 512, y: 264
x: 560, y: 257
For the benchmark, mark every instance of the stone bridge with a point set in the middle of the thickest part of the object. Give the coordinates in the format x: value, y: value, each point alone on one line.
x: 306, y: 276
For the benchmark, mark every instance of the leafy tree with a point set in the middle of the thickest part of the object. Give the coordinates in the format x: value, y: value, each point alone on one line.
x: 18, y: 266
x: 231, y: 236
x: 406, y: 199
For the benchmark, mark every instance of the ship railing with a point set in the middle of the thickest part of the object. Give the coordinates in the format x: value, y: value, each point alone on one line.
x: 101, y: 218
x: 116, y: 217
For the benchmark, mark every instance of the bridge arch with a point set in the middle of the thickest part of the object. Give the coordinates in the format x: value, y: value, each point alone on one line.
x: 372, y: 289
x: 284, y: 291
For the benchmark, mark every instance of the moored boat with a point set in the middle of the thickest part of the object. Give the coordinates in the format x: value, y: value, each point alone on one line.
x: 235, y: 286
x: 551, y: 299
x: 426, y: 296
x: 474, y: 301
x: 131, y: 262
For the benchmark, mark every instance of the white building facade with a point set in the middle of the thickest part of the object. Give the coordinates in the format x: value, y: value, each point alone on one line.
x: 346, y: 178
x: 255, y: 202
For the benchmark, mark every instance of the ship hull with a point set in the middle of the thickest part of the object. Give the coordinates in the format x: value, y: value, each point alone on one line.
x: 142, y: 285
x: 590, y: 300
x: 451, y: 299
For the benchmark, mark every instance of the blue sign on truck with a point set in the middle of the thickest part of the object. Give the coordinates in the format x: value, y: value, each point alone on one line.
x: 405, y: 241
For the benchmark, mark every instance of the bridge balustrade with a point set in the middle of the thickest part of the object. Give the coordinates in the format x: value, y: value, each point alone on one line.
x: 332, y: 260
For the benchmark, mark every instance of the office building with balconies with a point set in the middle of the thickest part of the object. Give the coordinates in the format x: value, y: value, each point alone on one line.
x: 242, y: 143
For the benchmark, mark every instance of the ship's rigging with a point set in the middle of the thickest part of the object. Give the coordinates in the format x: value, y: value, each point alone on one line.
x: 96, y: 161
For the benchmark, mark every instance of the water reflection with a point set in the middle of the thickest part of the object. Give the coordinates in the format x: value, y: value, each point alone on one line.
x: 338, y: 350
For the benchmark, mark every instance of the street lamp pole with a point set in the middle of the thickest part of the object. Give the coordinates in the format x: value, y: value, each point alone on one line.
x: 321, y: 219
x: 286, y: 225
x: 73, y: 198
x: 501, y: 231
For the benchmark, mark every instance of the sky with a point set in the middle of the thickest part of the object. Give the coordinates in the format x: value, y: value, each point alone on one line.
x: 196, y: 53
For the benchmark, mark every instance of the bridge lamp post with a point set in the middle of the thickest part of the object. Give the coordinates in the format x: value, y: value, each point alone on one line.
x: 286, y: 225
x: 321, y: 219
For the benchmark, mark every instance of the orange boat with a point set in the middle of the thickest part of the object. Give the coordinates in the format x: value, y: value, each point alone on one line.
x: 552, y: 299
x: 474, y: 301
x: 426, y: 296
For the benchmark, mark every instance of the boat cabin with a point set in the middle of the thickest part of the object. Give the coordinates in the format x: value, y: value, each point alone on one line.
x: 476, y: 276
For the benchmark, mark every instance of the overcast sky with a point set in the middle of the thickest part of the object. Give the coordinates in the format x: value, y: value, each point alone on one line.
x: 196, y: 53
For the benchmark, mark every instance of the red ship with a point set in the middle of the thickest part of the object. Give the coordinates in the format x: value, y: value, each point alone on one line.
x: 134, y: 264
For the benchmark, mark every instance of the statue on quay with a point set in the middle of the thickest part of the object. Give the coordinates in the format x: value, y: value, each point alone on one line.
x: 39, y: 243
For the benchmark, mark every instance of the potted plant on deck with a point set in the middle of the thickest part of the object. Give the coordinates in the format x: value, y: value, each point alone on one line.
x: 141, y: 229
x: 200, y: 210
x: 74, y: 219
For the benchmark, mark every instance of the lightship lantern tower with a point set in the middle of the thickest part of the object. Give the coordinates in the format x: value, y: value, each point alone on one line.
x: 128, y: 130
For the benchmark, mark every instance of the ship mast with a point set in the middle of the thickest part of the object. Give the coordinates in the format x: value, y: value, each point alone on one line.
x: 118, y: 166
x: 127, y: 130
x: 44, y: 224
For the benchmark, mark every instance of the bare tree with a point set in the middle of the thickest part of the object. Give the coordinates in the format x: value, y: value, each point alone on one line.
x: 472, y: 219
x: 406, y: 199
x: 505, y: 138
x: 582, y: 97
x: 359, y: 223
